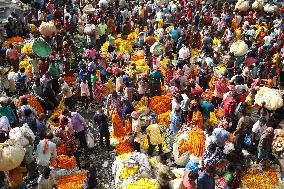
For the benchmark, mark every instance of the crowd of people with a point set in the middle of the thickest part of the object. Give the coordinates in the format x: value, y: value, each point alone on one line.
x: 186, y: 54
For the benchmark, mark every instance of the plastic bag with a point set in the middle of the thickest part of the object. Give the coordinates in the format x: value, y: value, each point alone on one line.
x: 90, y: 139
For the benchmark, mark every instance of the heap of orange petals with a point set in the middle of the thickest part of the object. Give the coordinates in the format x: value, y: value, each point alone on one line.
x: 32, y: 101
x: 12, y: 40
x: 160, y: 104
x: 74, y: 181
x: 64, y: 162
x: 118, y: 129
x: 195, y: 143
x: 124, y: 147
x: 164, y: 118
x: 61, y: 149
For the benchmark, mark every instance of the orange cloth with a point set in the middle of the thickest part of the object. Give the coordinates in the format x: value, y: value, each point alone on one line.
x: 15, y: 176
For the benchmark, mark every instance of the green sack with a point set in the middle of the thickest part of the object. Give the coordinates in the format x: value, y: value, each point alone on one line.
x: 41, y: 48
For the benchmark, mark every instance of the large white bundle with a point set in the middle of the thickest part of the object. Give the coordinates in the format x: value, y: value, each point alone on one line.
x: 272, y: 98
x: 270, y: 7
x: 47, y: 29
x: 18, y: 134
x: 242, y: 5
x: 257, y: 5
x: 11, y: 155
x: 239, y: 48
x: 89, y: 9
x: 89, y: 29
x: 180, y: 159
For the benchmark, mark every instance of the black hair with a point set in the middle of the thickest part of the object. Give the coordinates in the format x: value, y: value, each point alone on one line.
x: 64, y: 120
x: 65, y: 111
x: 27, y: 112
x: 46, y: 172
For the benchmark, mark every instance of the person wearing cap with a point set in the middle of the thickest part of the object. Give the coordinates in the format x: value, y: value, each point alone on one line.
x: 154, y: 135
x: 264, y: 150
x: 157, y: 79
x: 206, y: 179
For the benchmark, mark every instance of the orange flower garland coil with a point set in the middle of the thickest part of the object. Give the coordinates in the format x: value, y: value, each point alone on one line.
x: 160, y: 104
x: 74, y: 181
x: 64, y: 162
x: 35, y: 104
x: 61, y: 149
x: 118, y: 129
x: 195, y: 143
x: 124, y: 147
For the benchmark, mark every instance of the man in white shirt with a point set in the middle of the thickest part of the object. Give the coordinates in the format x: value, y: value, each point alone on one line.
x: 257, y: 129
x: 46, y: 150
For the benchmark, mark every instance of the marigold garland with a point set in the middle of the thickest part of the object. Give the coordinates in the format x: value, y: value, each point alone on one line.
x: 164, y: 119
x: 64, y: 162
x: 118, y: 129
x: 143, y: 183
x: 124, y: 147
x: 127, y: 172
x: 61, y: 149
x: 12, y: 40
x: 32, y: 101
x: 195, y: 143
x: 74, y: 181
x: 160, y: 104
x: 142, y: 103
x: 57, y: 112
x: 254, y: 179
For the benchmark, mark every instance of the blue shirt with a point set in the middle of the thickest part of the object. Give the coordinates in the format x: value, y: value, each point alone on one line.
x: 221, y: 136
x: 205, y: 182
x: 41, y: 128
x: 174, y: 122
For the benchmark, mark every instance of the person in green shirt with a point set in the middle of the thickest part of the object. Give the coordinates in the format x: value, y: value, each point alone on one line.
x: 157, y: 79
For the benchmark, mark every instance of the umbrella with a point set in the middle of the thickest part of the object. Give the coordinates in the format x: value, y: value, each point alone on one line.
x: 41, y: 48
x: 250, y: 61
